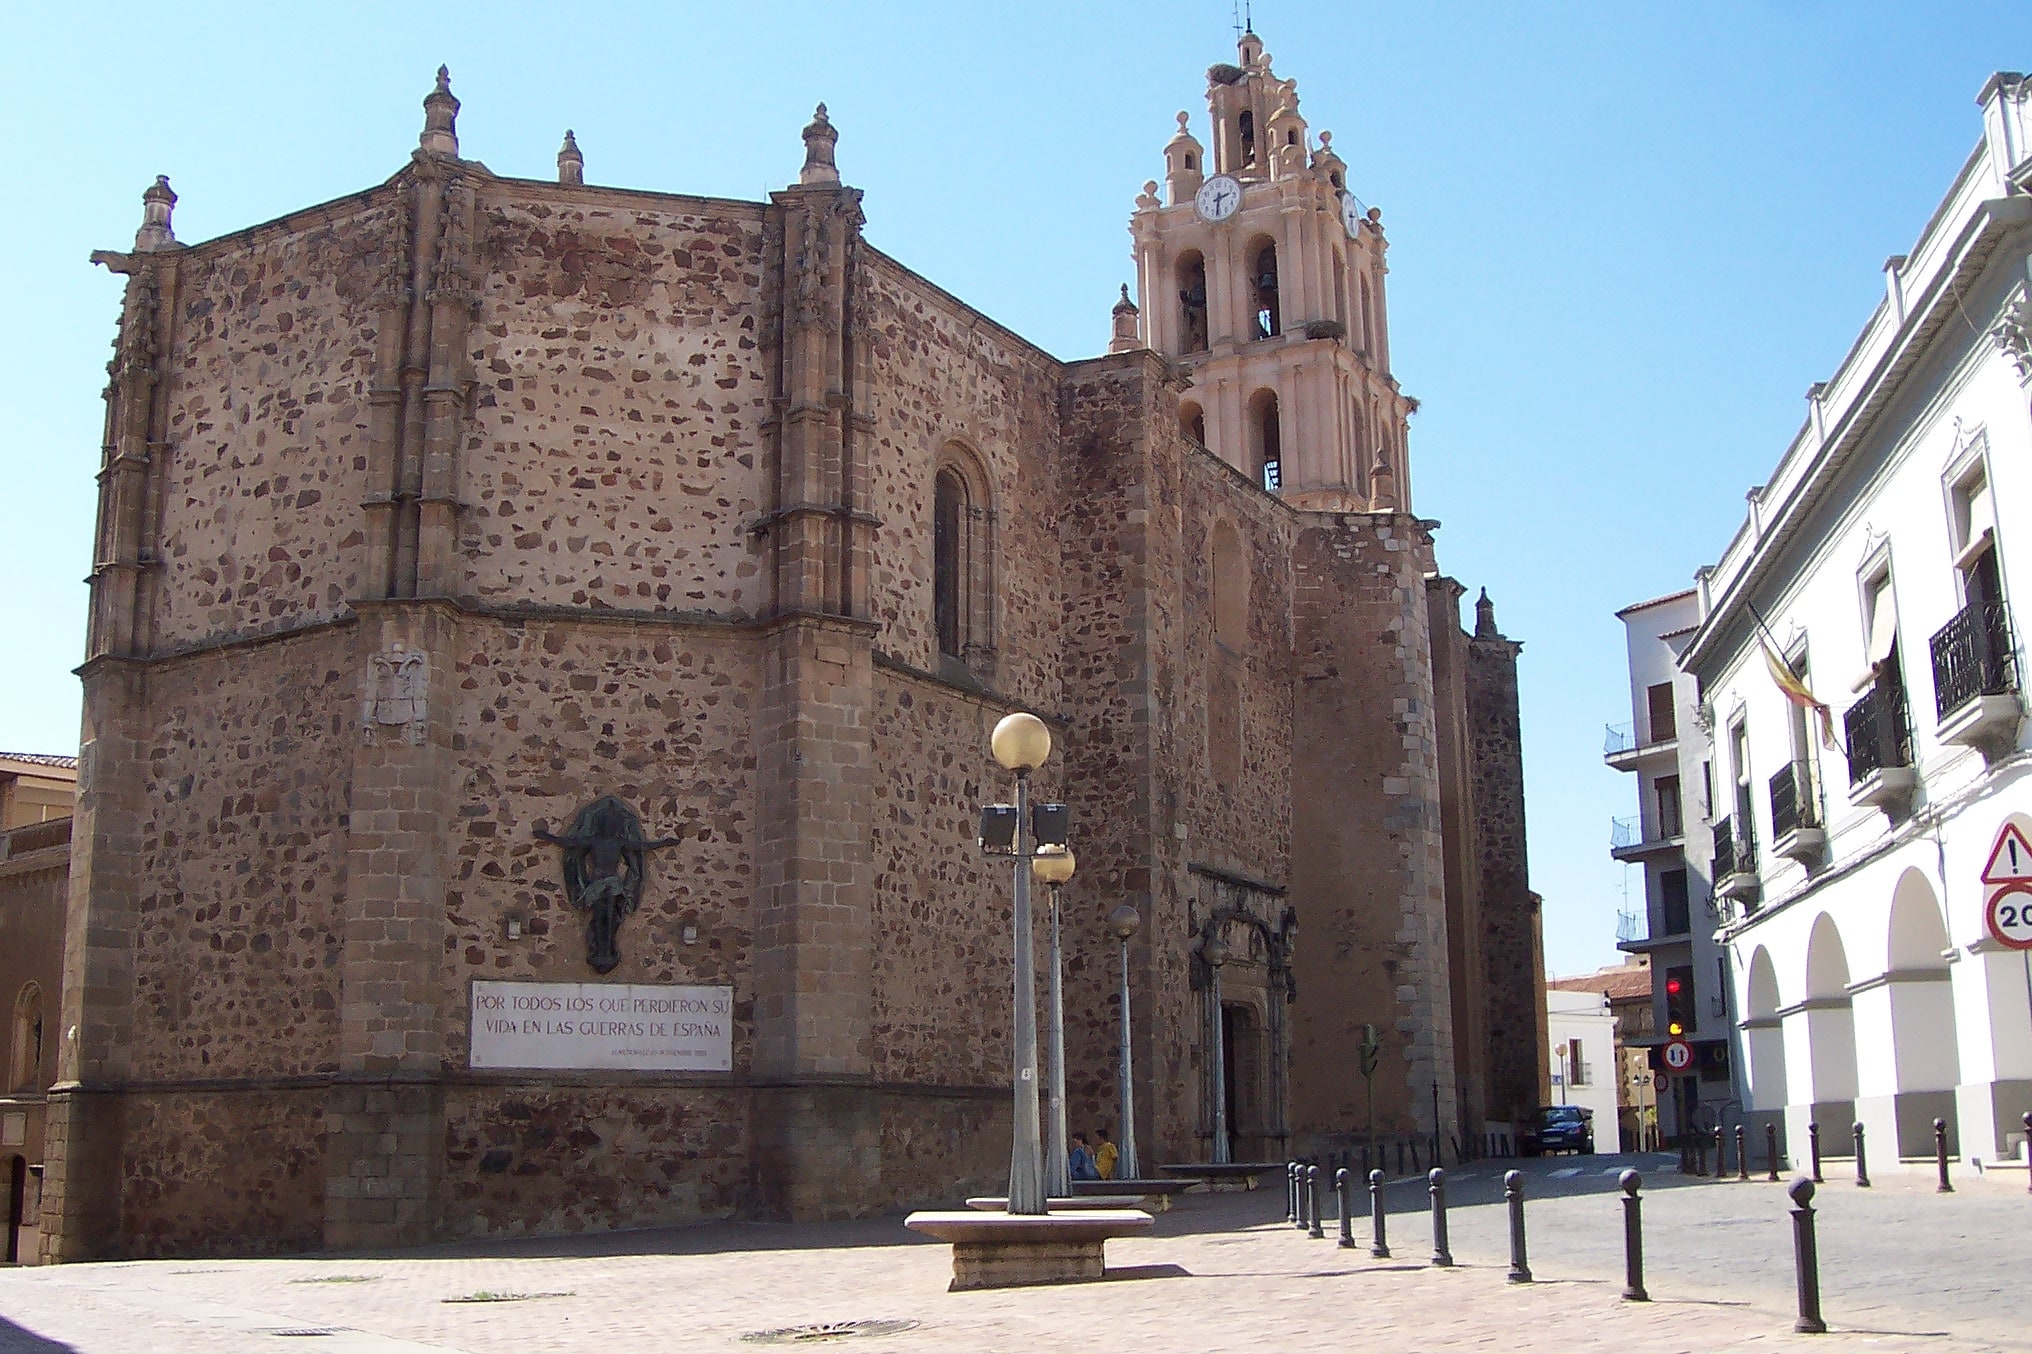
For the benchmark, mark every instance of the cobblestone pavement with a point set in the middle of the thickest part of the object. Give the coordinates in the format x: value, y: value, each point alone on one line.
x: 1904, y: 1269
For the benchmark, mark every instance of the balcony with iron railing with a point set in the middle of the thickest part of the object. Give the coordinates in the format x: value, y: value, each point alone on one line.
x: 1796, y: 826
x: 1975, y: 678
x: 1735, y: 863
x: 1633, y: 838
x: 1625, y: 745
x: 1878, y: 732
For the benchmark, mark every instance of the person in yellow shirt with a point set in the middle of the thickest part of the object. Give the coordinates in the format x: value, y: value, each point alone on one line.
x: 1105, y: 1155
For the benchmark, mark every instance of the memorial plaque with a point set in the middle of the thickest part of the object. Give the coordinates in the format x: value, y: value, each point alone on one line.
x: 602, y: 1026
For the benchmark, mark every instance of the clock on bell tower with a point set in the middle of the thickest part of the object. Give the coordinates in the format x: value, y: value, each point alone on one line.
x: 1261, y: 275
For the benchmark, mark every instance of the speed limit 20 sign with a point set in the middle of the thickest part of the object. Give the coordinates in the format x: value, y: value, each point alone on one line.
x: 1679, y: 1055
x: 2009, y: 917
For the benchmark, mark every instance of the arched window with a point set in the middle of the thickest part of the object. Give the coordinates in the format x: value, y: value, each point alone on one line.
x: 1192, y: 421
x: 1268, y: 436
x: 1230, y: 578
x: 26, y: 1063
x: 1192, y: 304
x: 961, y: 548
x: 1340, y: 290
x: 1265, y: 277
x: 1247, y: 124
x: 949, y: 511
x: 1368, y: 334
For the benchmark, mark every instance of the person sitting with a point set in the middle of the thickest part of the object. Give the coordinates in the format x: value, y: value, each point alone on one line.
x: 1105, y: 1155
x: 1080, y: 1164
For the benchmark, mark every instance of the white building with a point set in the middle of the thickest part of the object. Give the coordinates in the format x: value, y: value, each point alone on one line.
x: 1884, y: 558
x: 1583, y: 1056
x: 1673, y: 919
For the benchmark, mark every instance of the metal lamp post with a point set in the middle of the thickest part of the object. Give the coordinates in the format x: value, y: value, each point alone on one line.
x: 1215, y: 952
x: 1053, y: 866
x: 1021, y: 743
x: 1123, y: 921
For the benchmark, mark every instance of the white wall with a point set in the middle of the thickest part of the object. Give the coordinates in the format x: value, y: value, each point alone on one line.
x: 1585, y: 1016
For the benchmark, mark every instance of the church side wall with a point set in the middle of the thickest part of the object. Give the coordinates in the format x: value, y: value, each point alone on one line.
x: 267, y: 412
x: 615, y: 456
x: 938, y: 374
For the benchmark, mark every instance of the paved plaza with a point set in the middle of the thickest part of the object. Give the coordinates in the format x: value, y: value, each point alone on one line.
x: 1903, y: 1268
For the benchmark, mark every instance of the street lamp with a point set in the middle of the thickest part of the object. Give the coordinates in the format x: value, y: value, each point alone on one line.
x: 1123, y: 921
x: 1053, y: 866
x: 1021, y: 743
x: 1215, y: 952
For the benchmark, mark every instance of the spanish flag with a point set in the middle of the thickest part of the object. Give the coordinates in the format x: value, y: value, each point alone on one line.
x: 1795, y: 689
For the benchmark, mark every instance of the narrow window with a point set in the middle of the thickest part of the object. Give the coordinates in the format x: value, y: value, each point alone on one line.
x: 1247, y: 123
x: 948, y: 522
x: 1269, y: 442
x: 1666, y: 788
x: 1664, y: 721
x: 1368, y: 334
x: 28, y: 1039
x: 1678, y: 914
x: 1267, y: 325
x: 1192, y: 422
x: 1192, y: 304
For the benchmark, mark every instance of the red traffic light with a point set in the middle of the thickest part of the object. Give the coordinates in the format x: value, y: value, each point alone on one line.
x: 1672, y: 986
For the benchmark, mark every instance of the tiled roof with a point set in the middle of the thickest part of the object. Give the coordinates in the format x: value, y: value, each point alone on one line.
x: 1617, y: 984
x: 41, y: 759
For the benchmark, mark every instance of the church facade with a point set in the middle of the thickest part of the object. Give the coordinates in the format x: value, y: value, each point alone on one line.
x: 506, y: 589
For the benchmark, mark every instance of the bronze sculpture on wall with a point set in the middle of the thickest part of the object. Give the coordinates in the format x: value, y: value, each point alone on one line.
x: 605, y: 863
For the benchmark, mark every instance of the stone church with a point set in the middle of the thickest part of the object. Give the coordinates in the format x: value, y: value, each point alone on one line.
x: 543, y: 598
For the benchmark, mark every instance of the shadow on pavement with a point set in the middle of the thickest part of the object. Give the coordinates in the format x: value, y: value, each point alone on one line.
x: 20, y: 1340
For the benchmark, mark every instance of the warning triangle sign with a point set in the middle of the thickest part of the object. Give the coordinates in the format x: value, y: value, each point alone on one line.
x: 2010, y: 858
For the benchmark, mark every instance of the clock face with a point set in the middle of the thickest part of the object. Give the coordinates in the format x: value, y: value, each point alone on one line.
x: 1217, y: 198
x: 1352, y: 213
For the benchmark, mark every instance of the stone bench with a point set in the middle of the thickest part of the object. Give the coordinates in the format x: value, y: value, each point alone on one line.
x: 1011, y: 1250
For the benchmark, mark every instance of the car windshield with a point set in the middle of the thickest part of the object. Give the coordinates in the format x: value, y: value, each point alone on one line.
x: 1560, y: 1114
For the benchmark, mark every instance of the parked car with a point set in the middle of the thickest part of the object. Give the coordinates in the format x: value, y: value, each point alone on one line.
x: 1561, y: 1128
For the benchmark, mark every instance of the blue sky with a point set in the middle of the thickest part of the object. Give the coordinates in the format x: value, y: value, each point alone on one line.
x: 1625, y: 239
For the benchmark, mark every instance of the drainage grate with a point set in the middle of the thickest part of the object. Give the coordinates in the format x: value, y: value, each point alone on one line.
x: 825, y: 1330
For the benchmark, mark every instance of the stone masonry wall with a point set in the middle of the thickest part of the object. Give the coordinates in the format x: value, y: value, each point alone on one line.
x: 613, y: 458
x: 267, y: 414
x: 1512, y: 950
x: 1366, y: 833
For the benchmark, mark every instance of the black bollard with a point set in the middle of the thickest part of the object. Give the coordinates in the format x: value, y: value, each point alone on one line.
x: 1805, y: 1258
x: 1633, y: 1239
x: 1721, y: 1167
x: 1313, y: 1229
x: 1436, y: 1182
x: 1343, y: 1185
x: 1940, y: 1155
x: 1862, y: 1162
x: 1298, y: 1218
x: 1291, y: 1191
x: 1813, y: 1144
x: 1379, y: 1245
x: 1771, y: 1148
x: 1699, y: 1152
x: 1400, y: 1156
x: 1513, y: 1191
x: 1742, y: 1155
x: 1414, y: 1156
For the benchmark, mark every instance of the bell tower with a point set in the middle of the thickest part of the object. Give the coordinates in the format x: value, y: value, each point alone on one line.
x: 1261, y: 275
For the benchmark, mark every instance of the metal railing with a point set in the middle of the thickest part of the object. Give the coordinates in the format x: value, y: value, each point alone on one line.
x: 1792, y: 803
x: 1632, y: 927
x: 1733, y: 854
x: 1878, y: 728
x: 1621, y: 738
x: 1625, y: 832
x: 1972, y: 657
